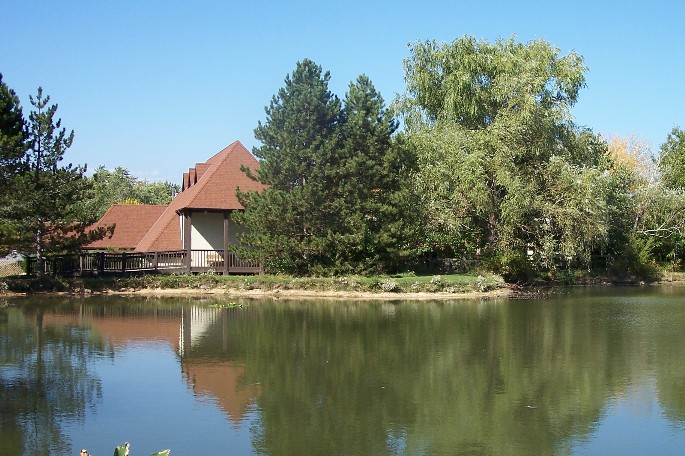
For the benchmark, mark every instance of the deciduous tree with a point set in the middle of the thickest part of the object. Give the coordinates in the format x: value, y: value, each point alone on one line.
x: 672, y: 159
x: 633, y: 155
x: 659, y: 226
x: 502, y: 167
x: 120, y: 187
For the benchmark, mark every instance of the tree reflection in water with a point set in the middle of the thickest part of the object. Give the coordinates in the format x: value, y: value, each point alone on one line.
x: 507, y: 377
x: 44, y: 381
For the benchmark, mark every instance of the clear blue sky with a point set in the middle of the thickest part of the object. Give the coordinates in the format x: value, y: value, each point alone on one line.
x: 156, y: 86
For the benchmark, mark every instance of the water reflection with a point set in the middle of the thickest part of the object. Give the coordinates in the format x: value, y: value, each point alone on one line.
x: 44, y: 381
x: 279, y: 378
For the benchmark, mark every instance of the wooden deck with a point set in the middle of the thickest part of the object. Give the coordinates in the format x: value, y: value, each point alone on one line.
x: 165, y: 262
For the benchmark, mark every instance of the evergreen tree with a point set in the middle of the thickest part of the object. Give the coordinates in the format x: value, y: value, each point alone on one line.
x: 284, y: 222
x: 48, y: 193
x: 12, y: 132
x: 12, y: 146
x: 301, y: 119
x: 334, y: 175
x: 366, y: 184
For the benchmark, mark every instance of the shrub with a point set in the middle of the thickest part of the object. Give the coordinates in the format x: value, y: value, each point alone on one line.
x: 514, y: 267
x: 390, y: 286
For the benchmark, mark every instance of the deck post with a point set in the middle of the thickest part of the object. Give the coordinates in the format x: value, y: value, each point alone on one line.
x: 155, y: 260
x: 101, y: 263
x: 187, y: 244
x: 225, y: 267
x: 123, y: 261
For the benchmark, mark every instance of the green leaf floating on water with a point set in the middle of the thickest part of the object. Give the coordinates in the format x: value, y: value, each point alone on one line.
x: 226, y: 305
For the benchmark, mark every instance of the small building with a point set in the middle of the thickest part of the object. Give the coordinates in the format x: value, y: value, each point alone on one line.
x: 198, y: 219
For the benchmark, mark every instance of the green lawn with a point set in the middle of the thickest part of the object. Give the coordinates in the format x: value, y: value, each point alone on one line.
x: 402, y: 283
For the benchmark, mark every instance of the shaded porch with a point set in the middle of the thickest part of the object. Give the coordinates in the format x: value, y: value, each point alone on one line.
x: 166, y: 262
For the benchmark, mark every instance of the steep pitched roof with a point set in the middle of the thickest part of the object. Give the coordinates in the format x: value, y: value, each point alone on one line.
x: 132, y: 222
x: 217, y: 180
x: 210, y: 186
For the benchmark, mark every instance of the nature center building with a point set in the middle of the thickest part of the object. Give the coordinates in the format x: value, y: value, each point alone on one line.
x: 197, y: 220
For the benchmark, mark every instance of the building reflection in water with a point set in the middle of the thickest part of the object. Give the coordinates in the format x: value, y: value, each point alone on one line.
x: 212, y: 371
x: 199, y: 335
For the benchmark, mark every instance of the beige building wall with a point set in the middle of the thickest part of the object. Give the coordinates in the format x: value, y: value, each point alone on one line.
x: 208, y: 231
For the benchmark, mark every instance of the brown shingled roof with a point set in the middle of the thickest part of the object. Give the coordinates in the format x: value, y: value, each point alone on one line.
x: 132, y: 222
x: 214, y: 190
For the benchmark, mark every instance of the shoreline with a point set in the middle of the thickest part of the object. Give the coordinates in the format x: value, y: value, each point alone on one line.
x: 314, y: 294
x: 218, y: 293
x: 505, y: 292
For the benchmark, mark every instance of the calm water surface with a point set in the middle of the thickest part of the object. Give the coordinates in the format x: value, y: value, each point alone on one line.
x: 585, y: 372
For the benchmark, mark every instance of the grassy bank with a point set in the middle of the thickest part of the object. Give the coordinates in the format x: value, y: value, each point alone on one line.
x: 401, y: 283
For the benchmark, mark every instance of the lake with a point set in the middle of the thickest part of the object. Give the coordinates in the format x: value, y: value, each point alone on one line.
x: 583, y: 372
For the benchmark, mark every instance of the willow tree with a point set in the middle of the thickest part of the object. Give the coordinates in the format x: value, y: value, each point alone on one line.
x: 672, y: 159
x: 659, y: 226
x: 502, y: 167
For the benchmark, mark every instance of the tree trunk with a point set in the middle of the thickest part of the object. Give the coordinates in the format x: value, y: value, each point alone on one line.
x: 40, y: 263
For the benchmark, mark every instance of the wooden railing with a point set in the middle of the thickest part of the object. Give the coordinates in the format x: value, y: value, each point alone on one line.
x: 170, y: 261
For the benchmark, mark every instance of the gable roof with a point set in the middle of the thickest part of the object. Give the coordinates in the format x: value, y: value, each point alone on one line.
x: 132, y: 222
x: 209, y: 186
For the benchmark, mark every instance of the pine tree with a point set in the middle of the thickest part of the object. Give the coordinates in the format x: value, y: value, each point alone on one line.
x: 367, y: 183
x: 284, y: 222
x: 47, y: 193
x: 12, y: 147
x: 334, y: 175
x: 301, y: 119
x: 12, y: 132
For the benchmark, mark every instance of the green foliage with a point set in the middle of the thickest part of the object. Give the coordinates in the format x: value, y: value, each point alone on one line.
x: 42, y: 196
x: 301, y: 119
x: 42, y: 283
x: 120, y: 187
x: 672, y: 160
x: 335, y: 177
x: 12, y: 132
x: 13, y: 135
x: 637, y: 261
x: 502, y: 168
x: 471, y: 82
x: 515, y: 267
x: 657, y: 233
x: 659, y: 221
